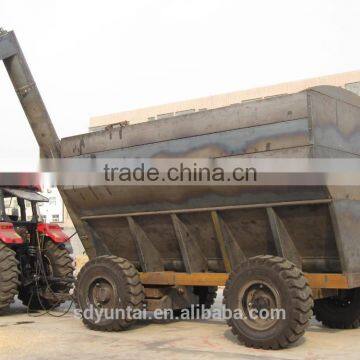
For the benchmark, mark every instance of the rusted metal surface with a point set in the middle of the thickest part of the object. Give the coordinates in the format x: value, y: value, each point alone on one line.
x: 221, y: 241
x: 7, y: 45
x: 328, y: 281
x: 251, y: 235
x: 155, y: 199
x: 324, y: 281
x: 286, y: 134
x: 185, y: 279
x: 346, y: 223
x: 335, y: 118
x: 149, y: 257
x: 177, y: 211
x: 230, y: 248
x: 237, y: 116
x: 170, y: 297
x: 283, y: 242
x: 326, y: 118
x: 322, y: 121
x: 192, y: 255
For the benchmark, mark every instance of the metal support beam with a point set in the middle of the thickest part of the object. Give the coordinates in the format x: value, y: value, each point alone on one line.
x: 336, y: 229
x: 149, y: 257
x: 3, y: 216
x: 29, y: 95
x: 171, y: 278
x: 230, y: 249
x: 192, y: 255
x: 285, y: 246
x: 220, y: 239
x: 97, y: 243
x: 21, y: 203
x: 218, y: 208
x: 7, y: 48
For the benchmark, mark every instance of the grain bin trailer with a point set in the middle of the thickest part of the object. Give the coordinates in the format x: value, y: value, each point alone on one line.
x: 170, y: 247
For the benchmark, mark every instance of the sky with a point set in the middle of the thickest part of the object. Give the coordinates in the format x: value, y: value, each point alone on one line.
x: 93, y: 58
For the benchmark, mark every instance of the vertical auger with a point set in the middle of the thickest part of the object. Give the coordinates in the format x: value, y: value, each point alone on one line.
x: 35, y: 110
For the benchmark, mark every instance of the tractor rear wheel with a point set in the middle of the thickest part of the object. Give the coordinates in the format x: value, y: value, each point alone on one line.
x: 107, y: 291
x: 9, y: 276
x: 341, y: 311
x: 57, y: 263
x: 270, y: 300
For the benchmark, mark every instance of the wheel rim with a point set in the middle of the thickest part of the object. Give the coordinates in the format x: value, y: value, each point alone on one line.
x: 101, y: 294
x: 256, y: 301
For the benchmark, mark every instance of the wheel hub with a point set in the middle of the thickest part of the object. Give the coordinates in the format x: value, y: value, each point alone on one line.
x: 101, y: 293
x: 256, y: 301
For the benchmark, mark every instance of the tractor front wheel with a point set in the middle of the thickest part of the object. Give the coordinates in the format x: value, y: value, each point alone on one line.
x: 9, y: 276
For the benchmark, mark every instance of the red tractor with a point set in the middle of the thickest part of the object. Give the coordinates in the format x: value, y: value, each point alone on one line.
x: 34, y: 261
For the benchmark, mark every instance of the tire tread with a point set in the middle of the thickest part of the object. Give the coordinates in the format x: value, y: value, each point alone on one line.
x: 301, y: 296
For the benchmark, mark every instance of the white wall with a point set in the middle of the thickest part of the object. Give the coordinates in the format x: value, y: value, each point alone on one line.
x: 54, y: 209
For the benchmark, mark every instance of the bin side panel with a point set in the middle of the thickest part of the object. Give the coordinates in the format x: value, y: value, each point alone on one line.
x: 254, y: 113
x: 240, y: 141
x: 116, y: 236
x: 310, y: 228
x: 251, y: 230
x: 336, y: 123
x: 346, y: 222
x: 345, y: 212
x: 201, y: 228
x: 134, y: 199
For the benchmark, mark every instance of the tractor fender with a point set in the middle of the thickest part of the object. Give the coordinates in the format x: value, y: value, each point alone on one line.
x: 8, y: 235
x: 54, y: 232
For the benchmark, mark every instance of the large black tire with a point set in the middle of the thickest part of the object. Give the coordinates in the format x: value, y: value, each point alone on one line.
x: 111, y: 283
x: 339, y: 312
x: 207, y: 295
x: 57, y: 263
x: 9, y: 277
x: 268, y: 282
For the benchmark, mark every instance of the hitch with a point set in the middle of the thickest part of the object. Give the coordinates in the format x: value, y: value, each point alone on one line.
x: 56, y: 296
x: 60, y: 297
x: 57, y: 280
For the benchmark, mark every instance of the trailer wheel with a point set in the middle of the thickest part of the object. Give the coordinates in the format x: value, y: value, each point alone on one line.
x: 9, y: 277
x: 58, y: 263
x: 341, y: 311
x: 270, y: 300
x: 207, y: 295
x: 107, y: 289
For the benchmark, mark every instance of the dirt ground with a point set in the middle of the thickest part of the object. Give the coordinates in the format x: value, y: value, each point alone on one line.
x: 44, y: 337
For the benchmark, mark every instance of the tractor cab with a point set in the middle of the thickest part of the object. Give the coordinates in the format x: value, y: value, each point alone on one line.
x: 20, y: 205
x: 20, y: 218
